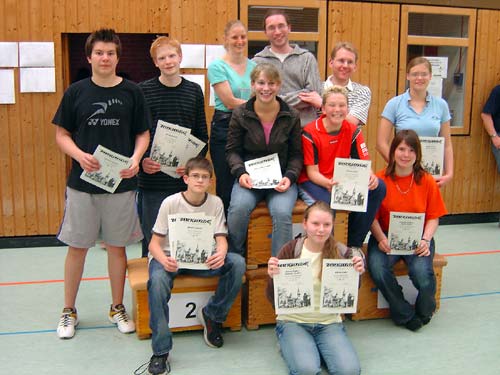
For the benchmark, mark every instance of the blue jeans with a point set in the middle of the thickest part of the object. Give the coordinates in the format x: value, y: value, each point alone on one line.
x: 421, y: 274
x: 303, y: 346
x: 359, y: 222
x: 496, y: 154
x: 161, y: 282
x: 148, y: 205
x: 280, y: 206
x: 218, y: 138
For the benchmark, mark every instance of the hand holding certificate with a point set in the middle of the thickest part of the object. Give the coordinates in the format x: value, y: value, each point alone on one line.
x: 191, y: 239
x: 351, y: 191
x: 293, y: 287
x: 264, y: 172
x: 405, y: 232
x: 108, y: 176
x: 433, y: 155
x: 339, y: 286
x: 173, y: 146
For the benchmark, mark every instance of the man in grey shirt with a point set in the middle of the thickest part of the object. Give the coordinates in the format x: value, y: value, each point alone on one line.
x: 297, y: 66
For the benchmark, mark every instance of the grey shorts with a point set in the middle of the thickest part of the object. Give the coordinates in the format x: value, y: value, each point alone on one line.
x: 89, y: 216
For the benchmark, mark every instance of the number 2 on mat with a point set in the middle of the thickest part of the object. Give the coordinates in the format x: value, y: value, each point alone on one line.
x: 192, y: 312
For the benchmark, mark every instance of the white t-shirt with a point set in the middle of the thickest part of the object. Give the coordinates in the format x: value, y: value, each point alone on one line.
x: 177, y: 204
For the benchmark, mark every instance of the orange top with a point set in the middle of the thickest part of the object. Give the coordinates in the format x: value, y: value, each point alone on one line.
x: 423, y: 197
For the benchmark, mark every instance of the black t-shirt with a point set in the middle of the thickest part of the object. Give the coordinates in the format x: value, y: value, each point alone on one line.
x: 109, y: 116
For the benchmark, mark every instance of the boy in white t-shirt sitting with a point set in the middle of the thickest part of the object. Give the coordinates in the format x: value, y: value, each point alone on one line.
x: 163, y: 268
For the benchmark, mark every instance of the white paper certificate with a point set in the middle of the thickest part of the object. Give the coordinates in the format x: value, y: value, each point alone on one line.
x: 433, y: 155
x: 265, y: 172
x: 405, y: 232
x: 108, y: 177
x: 339, y: 286
x: 169, y: 145
x: 293, y: 287
x: 351, y: 191
x: 191, y: 239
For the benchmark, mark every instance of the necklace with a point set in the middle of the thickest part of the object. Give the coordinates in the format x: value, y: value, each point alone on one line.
x: 407, y: 190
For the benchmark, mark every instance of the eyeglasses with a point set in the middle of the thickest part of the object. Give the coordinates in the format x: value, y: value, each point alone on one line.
x: 197, y: 176
x: 419, y: 74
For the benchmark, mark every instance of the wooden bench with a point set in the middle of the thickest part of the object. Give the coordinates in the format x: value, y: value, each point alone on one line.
x: 138, y: 277
x: 260, y: 229
x: 257, y: 309
x: 368, y: 292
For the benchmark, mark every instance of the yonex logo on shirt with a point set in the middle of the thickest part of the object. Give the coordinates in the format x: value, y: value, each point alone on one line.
x: 103, y: 107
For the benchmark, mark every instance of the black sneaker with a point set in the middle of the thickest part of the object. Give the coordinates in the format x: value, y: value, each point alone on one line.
x: 158, y: 364
x: 211, y: 330
x: 425, y: 320
x: 414, y: 324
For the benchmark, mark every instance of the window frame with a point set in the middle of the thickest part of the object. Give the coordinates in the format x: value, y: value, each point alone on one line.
x: 468, y: 42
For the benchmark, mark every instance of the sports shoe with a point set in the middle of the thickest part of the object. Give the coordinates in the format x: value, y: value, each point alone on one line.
x: 67, y: 323
x: 119, y: 316
x: 414, y: 324
x: 157, y: 365
x: 425, y: 320
x: 211, y: 330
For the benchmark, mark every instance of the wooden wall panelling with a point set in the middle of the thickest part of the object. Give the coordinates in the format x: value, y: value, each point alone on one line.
x: 6, y: 202
x: 31, y: 165
x: 486, y: 75
x: 373, y: 29
x: 32, y: 168
x: 476, y: 185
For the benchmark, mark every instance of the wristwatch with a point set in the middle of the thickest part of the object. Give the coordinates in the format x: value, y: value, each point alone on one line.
x: 493, y: 135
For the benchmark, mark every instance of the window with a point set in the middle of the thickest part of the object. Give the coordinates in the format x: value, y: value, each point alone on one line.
x: 446, y: 37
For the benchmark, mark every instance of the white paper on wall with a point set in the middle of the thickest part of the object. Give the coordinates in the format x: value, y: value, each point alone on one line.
x: 193, y: 56
x: 36, y: 54
x: 196, y: 78
x: 439, y: 66
x: 211, y: 101
x: 7, y: 88
x: 213, y: 52
x: 38, y: 79
x: 8, y: 55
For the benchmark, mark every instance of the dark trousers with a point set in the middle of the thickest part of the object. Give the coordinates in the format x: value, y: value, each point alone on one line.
x: 218, y: 139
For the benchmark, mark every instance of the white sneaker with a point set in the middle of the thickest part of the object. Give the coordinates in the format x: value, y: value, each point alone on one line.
x: 118, y: 316
x: 67, y: 323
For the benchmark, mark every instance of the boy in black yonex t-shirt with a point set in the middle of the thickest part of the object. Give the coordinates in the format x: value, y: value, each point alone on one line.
x: 110, y: 111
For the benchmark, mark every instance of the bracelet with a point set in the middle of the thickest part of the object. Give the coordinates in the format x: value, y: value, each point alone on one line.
x: 493, y: 135
x: 426, y: 240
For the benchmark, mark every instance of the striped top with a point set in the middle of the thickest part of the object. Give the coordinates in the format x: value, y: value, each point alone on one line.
x: 359, y: 98
x: 182, y: 105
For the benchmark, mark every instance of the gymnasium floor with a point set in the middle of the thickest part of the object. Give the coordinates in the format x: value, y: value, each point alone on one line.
x: 463, y: 337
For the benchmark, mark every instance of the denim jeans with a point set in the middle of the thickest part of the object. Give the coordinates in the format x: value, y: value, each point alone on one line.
x: 303, y: 345
x: 148, y: 205
x: 280, y: 206
x: 160, y: 284
x: 218, y: 138
x: 496, y: 154
x: 421, y: 274
x: 359, y: 222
